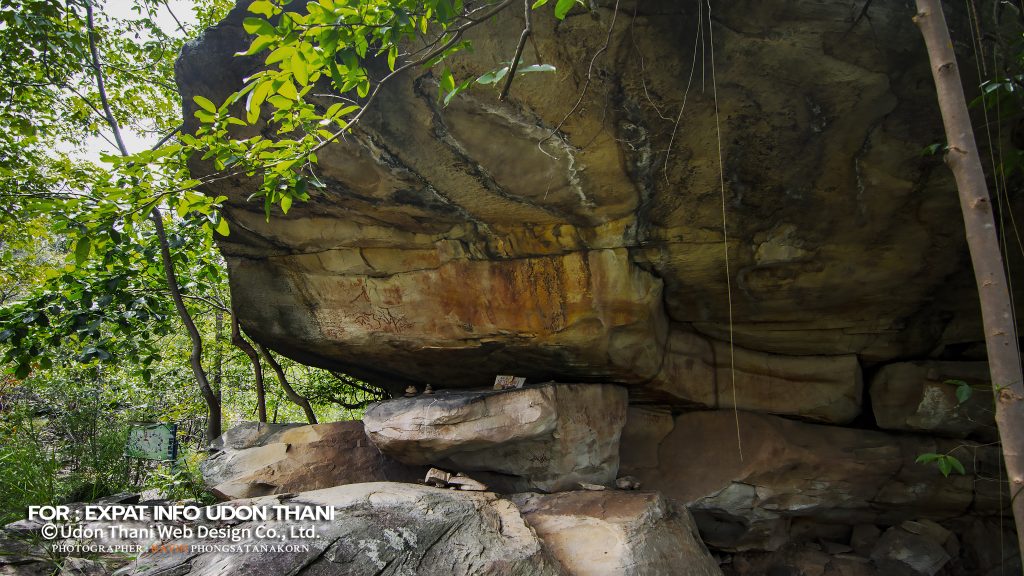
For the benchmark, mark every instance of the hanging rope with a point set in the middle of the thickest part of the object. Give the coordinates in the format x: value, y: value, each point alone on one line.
x: 699, y: 37
x: 725, y: 237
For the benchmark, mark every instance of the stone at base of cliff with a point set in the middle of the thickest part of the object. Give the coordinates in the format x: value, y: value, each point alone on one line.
x: 922, y: 397
x: 613, y: 533
x: 794, y: 470
x: 555, y: 436
x: 379, y: 527
x: 261, y: 459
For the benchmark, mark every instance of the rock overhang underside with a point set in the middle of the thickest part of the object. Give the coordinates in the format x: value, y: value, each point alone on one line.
x: 454, y: 243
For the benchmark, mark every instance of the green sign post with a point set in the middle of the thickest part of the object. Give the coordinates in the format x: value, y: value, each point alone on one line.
x: 153, y: 441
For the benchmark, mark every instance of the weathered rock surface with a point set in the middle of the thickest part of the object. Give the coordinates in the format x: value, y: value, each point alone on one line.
x: 793, y: 470
x: 909, y: 552
x: 260, y: 459
x: 911, y: 548
x: 552, y: 435
x: 916, y: 396
x: 824, y: 388
x: 588, y: 247
x: 646, y: 427
x: 698, y: 372
x: 615, y: 533
x: 380, y: 528
x: 20, y: 557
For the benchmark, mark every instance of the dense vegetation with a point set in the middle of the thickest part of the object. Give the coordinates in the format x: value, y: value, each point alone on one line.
x: 114, y: 305
x: 90, y: 338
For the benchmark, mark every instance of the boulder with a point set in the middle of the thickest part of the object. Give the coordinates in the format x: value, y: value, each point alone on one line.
x: 801, y: 559
x: 587, y: 238
x: 921, y: 397
x: 378, y: 528
x: 23, y: 555
x: 82, y: 567
x: 259, y: 459
x: 901, y: 552
x: 795, y: 470
x: 990, y: 546
x: 615, y: 533
x: 554, y: 436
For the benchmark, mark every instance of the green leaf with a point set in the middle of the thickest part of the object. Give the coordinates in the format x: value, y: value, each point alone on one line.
x: 288, y: 90
x: 22, y: 371
x: 944, y: 466
x: 926, y: 458
x: 279, y: 54
x: 340, y: 109
x: 956, y: 464
x: 963, y: 390
x: 538, y: 4
x: 262, y: 7
x: 299, y: 68
x: 447, y: 81
x: 257, y: 45
x: 205, y: 104
x: 562, y: 8
x: 82, y: 249
x: 222, y: 227
x: 392, y: 56
x: 493, y: 77
x: 535, y: 68
x: 286, y: 203
x: 255, y: 100
x: 258, y: 26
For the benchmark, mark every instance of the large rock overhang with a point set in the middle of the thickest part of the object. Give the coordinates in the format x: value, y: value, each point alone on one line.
x: 568, y: 241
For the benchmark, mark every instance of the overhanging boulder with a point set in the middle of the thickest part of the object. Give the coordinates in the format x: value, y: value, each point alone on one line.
x: 453, y: 243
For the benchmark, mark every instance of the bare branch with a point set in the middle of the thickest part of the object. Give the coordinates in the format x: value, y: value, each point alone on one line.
x: 519, y: 51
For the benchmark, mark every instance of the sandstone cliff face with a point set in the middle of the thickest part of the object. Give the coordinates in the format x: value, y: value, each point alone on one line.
x: 455, y: 243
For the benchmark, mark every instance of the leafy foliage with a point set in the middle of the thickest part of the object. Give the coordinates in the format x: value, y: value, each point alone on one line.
x: 352, y: 47
x: 946, y: 463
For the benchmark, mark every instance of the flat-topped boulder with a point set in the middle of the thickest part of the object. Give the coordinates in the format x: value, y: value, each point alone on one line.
x: 260, y: 459
x: 554, y: 436
x: 616, y: 533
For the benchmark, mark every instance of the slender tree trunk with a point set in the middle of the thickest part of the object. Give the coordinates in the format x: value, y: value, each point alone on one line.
x: 996, y: 312
x: 242, y: 344
x: 196, y: 358
x: 218, y: 356
x: 290, y: 392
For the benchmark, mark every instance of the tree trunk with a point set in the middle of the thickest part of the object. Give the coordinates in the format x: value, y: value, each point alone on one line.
x: 242, y: 344
x: 290, y: 392
x: 218, y: 356
x: 196, y: 358
x: 996, y: 311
